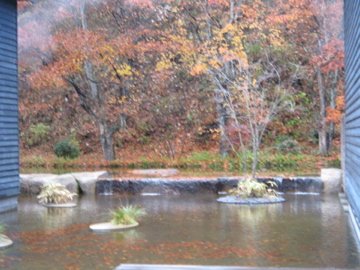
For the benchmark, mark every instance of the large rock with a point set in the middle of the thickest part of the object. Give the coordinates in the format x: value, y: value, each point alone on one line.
x: 87, y: 180
x: 332, y: 179
x: 68, y: 181
x: 32, y: 183
x: 156, y: 172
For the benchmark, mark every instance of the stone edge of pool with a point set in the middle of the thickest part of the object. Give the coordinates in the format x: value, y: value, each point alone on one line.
x: 173, y: 186
x: 103, y: 183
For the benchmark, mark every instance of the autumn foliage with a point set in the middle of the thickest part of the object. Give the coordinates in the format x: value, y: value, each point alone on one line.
x: 172, y: 76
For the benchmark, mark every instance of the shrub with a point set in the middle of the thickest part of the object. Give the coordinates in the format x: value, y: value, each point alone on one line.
x: 60, y: 163
x: 216, y: 165
x: 38, y: 161
x: 245, y: 159
x: 55, y: 193
x: 335, y: 163
x: 34, y: 162
x: 37, y: 134
x: 68, y: 149
x: 126, y: 215
x: 202, y: 156
x: 280, y: 162
x: 145, y: 163
x: 144, y: 140
x: 287, y: 145
x: 251, y: 188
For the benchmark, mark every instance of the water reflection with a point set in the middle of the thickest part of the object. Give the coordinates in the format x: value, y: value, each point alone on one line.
x: 129, y: 236
x: 256, y: 214
x: 58, y: 217
x: 305, y: 231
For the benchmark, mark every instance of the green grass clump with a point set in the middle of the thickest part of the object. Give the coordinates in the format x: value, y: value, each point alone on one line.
x: 203, y: 159
x: 34, y: 162
x: 126, y: 215
x: 203, y: 156
x: 149, y: 164
x: 286, y: 144
x: 37, y: 134
x: 68, y: 149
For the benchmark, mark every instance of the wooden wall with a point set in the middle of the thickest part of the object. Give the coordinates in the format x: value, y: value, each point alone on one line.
x: 352, y: 97
x: 9, y: 146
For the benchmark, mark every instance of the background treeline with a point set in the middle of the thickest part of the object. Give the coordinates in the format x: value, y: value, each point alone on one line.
x: 168, y: 80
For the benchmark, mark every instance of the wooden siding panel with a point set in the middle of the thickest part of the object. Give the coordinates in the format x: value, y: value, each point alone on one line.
x: 7, y: 68
x: 8, y: 119
x: 8, y: 131
x: 8, y: 174
x: 352, y: 98
x: 9, y: 134
x: 11, y: 183
x: 4, y: 11
x: 8, y: 193
x: 9, y: 155
x: 8, y: 92
x: 6, y: 58
x: 7, y: 107
x: 7, y: 99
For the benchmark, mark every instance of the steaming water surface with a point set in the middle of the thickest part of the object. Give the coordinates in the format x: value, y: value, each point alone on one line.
x: 305, y: 231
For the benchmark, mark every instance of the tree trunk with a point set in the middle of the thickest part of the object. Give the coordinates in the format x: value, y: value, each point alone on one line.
x: 331, y: 124
x: 222, y: 119
x: 106, y: 140
x: 106, y: 134
x: 323, y: 145
x: 332, y: 106
x: 255, y: 148
x: 224, y: 145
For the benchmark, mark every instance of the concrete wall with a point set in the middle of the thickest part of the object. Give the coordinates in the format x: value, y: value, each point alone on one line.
x: 352, y: 97
x: 9, y: 145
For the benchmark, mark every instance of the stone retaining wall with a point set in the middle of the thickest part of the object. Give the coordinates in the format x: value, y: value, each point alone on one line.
x: 102, y: 183
x: 214, y: 185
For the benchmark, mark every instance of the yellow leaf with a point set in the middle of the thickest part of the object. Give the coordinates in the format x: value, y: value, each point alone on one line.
x: 163, y: 64
x: 124, y: 70
x: 198, y: 69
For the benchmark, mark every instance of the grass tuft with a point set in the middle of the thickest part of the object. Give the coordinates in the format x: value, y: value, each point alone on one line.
x: 126, y: 215
x: 55, y: 193
x: 251, y: 188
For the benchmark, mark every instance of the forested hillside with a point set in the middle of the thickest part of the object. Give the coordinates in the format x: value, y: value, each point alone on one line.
x: 131, y: 80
